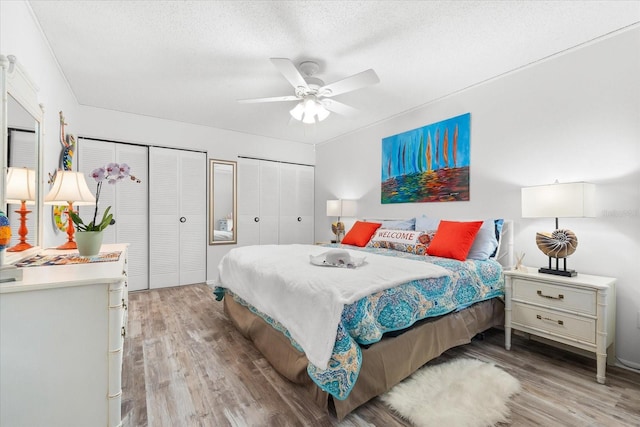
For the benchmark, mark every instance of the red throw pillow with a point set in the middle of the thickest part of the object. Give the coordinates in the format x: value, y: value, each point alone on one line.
x: 360, y: 233
x: 454, y: 239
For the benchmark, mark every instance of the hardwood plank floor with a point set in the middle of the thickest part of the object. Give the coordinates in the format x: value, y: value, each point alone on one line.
x: 186, y: 365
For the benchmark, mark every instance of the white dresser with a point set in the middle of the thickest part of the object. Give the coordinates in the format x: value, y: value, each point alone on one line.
x: 577, y: 311
x: 62, y: 330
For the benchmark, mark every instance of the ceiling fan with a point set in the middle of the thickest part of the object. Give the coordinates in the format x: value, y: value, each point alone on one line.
x: 313, y: 96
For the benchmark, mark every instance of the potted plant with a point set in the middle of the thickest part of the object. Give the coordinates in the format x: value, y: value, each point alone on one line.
x: 89, y: 236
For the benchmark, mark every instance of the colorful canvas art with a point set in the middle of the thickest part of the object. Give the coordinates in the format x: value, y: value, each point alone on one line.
x: 428, y: 164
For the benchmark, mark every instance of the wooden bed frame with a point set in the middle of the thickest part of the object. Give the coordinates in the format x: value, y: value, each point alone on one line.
x: 387, y: 362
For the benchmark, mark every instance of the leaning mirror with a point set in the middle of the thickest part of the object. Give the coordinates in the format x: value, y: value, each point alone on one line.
x: 222, y: 202
x: 21, y: 124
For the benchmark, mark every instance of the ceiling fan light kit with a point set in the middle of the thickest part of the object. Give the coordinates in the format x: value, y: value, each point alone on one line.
x: 312, y: 94
x: 309, y: 110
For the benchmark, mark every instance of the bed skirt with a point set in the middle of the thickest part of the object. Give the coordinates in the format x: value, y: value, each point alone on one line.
x: 384, y: 364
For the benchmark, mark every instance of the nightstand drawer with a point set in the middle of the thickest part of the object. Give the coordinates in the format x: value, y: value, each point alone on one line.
x: 555, y: 296
x: 566, y: 325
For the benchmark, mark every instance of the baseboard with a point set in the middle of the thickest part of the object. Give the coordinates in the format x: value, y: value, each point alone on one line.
x: 625, y: 364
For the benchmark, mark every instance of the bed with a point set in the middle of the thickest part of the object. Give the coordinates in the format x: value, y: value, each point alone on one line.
x: 382, y: 337
x: 221, y: 235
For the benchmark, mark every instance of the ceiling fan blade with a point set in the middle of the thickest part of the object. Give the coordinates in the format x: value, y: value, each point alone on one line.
x: 348, y: 84
x: 290, y: 72
x: 339, y: 108
x: 271, y: 99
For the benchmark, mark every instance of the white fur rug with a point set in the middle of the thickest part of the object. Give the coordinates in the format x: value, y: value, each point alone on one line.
x: 460, y: 393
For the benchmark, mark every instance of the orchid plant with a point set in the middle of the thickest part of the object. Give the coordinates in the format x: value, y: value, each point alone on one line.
x: 112, y: 173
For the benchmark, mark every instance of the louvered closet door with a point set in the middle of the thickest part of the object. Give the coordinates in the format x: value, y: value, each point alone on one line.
x: 248, y: 228
x: 132, y: 213
x: 164, y: 215
x: 178, y: 209
x: 23, y: 154
x: 296, y: 204
x: 258, y: 202
x: 128, y: 201
x: 269, y: 202
x: 193, y: 208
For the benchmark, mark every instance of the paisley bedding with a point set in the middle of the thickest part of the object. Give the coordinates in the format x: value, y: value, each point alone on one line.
x: 366, y: 320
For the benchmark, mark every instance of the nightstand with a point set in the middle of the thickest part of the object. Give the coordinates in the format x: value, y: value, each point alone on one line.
x: 225, y: 224
x: 577, y: 311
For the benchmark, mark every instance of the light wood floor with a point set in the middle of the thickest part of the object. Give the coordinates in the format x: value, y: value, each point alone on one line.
x: 185, y: 365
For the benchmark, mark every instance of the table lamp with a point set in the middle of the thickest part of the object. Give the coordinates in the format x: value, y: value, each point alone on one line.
x: 69, y: 187
x: 570, y: 200
x: 21, y: 189
x: 340, y: 208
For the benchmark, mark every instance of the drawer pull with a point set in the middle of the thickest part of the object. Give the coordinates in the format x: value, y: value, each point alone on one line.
x: 123, y: 332
x: 124, y: 304
x: 539, y: 317
x: 560, y: 296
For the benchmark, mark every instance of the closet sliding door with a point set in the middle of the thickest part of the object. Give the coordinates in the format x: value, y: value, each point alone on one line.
x: 258, y: 196
x: 128, y: 201
x: 296, y: 204
x: 275, y: 202
x: 178, y: 217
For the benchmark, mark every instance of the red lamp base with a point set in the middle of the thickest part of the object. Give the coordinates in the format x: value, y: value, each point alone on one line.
x: 22, y: 231
x: 71, y: 244
x: 19, y: 247
x: 68, y: 245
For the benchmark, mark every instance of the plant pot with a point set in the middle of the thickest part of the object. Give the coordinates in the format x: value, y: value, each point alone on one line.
x: 89, y: 242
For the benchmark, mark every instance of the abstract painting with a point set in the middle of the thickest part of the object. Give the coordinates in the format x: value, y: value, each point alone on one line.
x: 428, y: 164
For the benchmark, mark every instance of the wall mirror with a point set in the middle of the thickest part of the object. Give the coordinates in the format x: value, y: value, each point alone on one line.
x: 21, y: 126
x: 222, y: 202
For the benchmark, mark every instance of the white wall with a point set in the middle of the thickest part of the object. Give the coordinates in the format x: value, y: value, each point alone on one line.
x: 20, y: 36
x: 575, y: 117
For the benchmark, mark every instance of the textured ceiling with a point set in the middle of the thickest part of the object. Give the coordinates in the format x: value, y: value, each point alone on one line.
x: 191, y: 60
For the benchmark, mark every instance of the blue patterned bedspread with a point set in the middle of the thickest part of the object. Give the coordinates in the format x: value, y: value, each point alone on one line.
x: 366, y: 320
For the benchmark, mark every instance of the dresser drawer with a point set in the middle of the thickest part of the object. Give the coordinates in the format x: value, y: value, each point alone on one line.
x: 555, y: 296
x: 566, y: 325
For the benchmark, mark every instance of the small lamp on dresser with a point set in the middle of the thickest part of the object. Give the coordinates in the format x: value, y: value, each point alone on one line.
x: 68, y: 188
x: 21, y: 189
x: 570, y: 200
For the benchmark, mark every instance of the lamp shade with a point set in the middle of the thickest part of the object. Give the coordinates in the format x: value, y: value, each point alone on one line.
x: 334, y: 207
x: 69, y: 187
x: 570, y: 200
x: 309, y: 110
x: 322, y: 112
x: 297, y: 111
x: 21, y: 186
x: 341, y: 208
x: 349, y: 208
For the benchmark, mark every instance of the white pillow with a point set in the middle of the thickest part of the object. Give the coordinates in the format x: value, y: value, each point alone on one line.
x: 406, y: 224
x: 424, y: 223
x: 485, y: 242
x: 411, y: 241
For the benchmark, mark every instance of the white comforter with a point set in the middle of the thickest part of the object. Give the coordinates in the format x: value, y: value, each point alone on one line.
x: 307, y: 299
